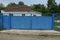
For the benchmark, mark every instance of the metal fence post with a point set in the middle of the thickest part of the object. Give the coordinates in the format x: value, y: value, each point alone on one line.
x: 10, y: 15
x: 52, y: 21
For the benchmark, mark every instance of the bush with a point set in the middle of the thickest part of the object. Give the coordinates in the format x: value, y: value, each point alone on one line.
x: 57, y: 29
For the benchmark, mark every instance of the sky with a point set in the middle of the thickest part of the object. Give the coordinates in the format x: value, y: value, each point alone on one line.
x: 27, y: 2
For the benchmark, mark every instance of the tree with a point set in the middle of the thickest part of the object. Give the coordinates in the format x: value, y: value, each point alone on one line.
x: 21, y: 3
x: 42, y: 9
x: 51, y: 5
x: 38, y: 8
x: 58, y: 8
x: 1, y: 6
x: 11, y: 4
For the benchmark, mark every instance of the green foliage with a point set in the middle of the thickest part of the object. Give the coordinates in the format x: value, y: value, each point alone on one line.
x: 57, y: 18
x: 52, y: 7
x: 35, y: 7
x: 21, y: 3
x: 38, y: 7
x: 58, y: 8
x: 14, y: 4
x: 57, y: 24
x: 51, y: 3
x: 57, y: 29
x: 1, y: 6
x: 11, y: 4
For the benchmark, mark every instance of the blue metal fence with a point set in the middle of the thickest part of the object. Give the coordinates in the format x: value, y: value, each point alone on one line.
x: 28, y: 22
x: 1, y: 21
x: 43, y: 22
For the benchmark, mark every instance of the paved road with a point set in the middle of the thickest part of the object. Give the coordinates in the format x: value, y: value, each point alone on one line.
x: 27, y: 37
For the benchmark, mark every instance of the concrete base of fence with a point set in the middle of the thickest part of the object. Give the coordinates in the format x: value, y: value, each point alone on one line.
x: 30, y: 32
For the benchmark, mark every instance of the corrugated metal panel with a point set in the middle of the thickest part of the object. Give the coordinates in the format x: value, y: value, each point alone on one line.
x: 28, y: 22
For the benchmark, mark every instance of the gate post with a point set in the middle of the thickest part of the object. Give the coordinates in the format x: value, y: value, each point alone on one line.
x: 52, y: 21
x: 10, y: 15
x: 9, y: 21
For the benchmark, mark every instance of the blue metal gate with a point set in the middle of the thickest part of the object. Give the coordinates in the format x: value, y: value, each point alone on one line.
x: 28, y: 22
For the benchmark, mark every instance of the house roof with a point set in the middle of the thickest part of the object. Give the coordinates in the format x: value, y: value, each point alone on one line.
x: 17, y: 8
